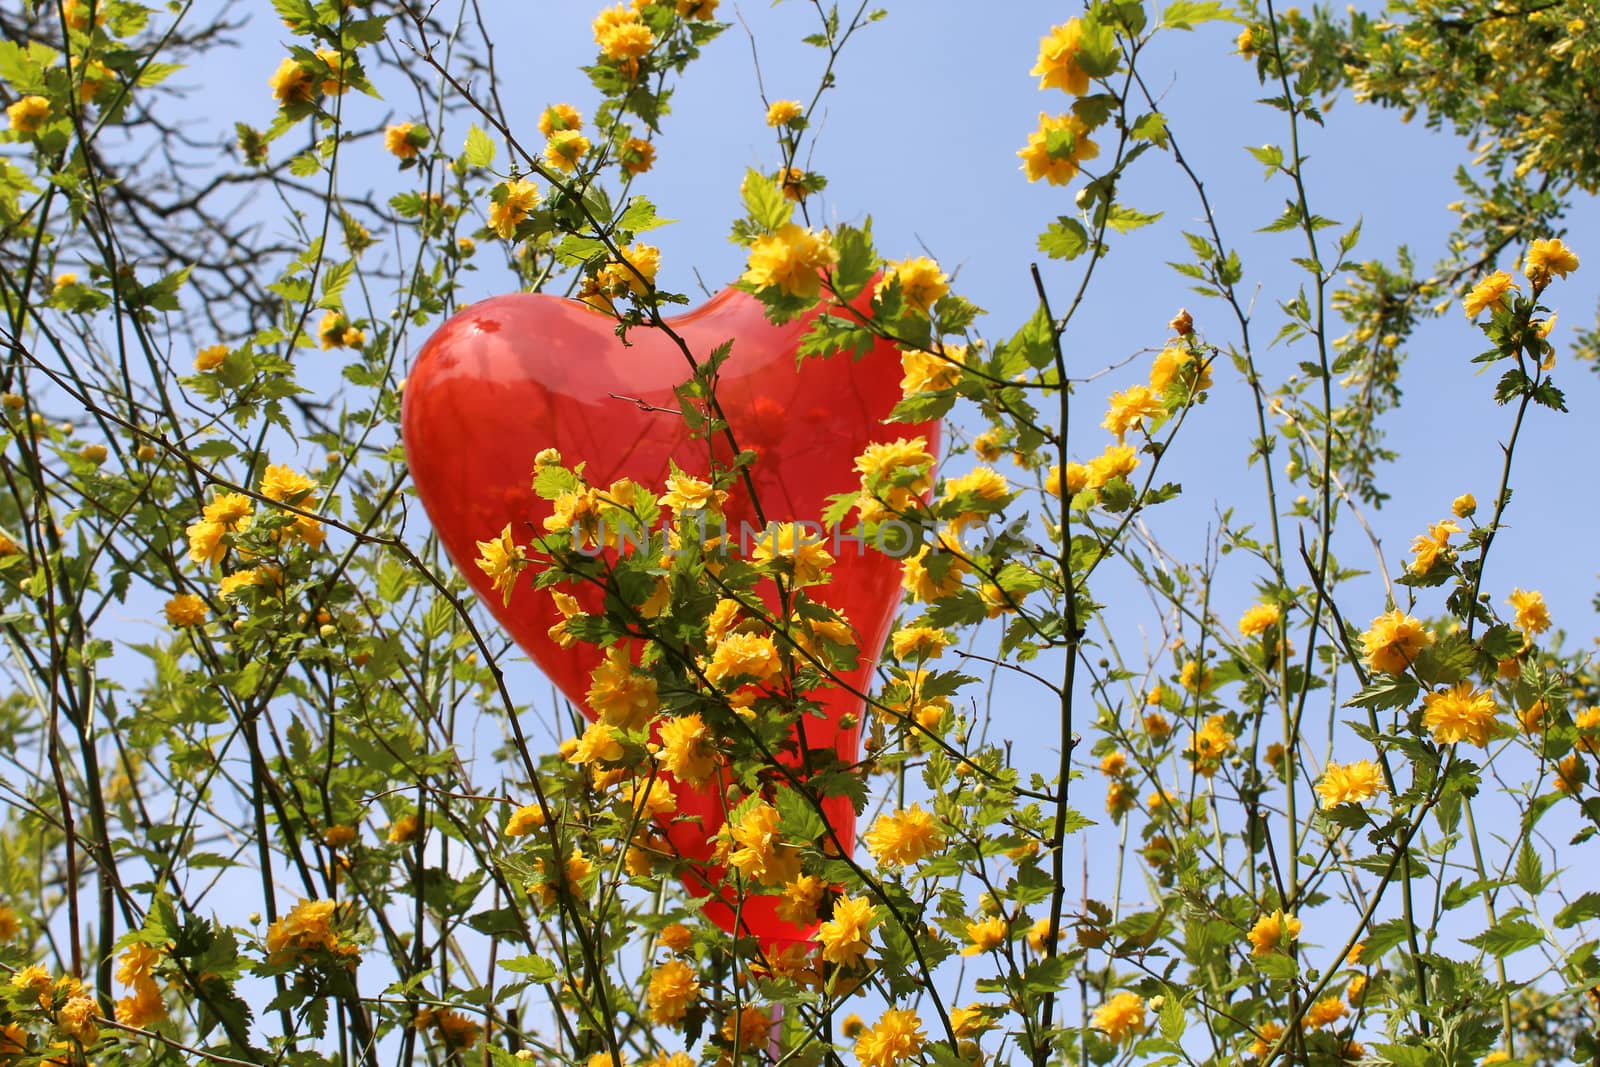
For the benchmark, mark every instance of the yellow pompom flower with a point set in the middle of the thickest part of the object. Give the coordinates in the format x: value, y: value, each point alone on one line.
x: 920, y: 642
x: 521, y: 197
x: 1117, y: 461
x: 673, y: 988
x: 1271, y: 932
x: 1546, y: 258
x: 1212, y: 744
x: 621, y: 35
x: 896, y: 1036
x: 1058, y: 67
x: 1121, y: 1017
x: 985, y: 935
x: 397, y: 140
x: 620, y: 695
x: 1259, y: 619
x: 749, y: 657
x: 789, y: 260
x: 784, y: 112
x: 1173, y: 365
x: 599, y: 744
x: 291, y: 84
x: 1460, y: 713
x: 801, y: 552
x: 27, y: 115
x: 1326, y: 1012
x: 1427, y: 549
x: 564, y: 149
x: 636, y: 155
x: 1349, y: 783
x: 903, y: 837
x: 210, y: 357
x: 524, y: 821
x: 1061, y: 166
x: 930, y: 372
x: 185, y: 609
x: 688, y: 752
x: 846, y: 936
x: 502, y: 559
x: 1489, y: 293
x: 922, y: 283
x: 1532, y: 615
x: 1129, y: 409
x: 1392, y: 641
x: 559, y: 117
x: 1075, y: 481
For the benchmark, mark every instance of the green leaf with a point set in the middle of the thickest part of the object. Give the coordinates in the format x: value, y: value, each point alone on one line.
x: 479, y: 149
x: 856, y: 259
x: 764, y: 200
x: 1530, y: 870
x: 536, y: 968
x: 799, y: 817
x: 1126, y: 219
x: 1507, y: 937
x: 1152, y: 128
x: 640, y: 216
x: 1187, y: 14
x: 1065, y: 238
x: 1583, y: 909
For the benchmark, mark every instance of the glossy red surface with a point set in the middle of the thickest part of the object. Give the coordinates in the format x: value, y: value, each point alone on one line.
x: 515, y: 374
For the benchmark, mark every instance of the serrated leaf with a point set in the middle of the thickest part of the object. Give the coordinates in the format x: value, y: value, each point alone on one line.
x: 479, y: 149
x: 1064, y: 238
x: 1507, y: 937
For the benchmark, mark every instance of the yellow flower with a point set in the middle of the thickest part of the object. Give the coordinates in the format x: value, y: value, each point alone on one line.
x: 524, y: 821
x: 502, y: 559
x: 335, y: 331
x: 846, y: 936
x: 636, y: 155
x: 1113, y: 763
x: 1571, y: 773
x: 1357, y: 987
x: 1325, y: 1012
x: 985, y: 935
x: 1156, y: 724
x: 750, y: 657
x: 789, y: 260
x: 687, y: 749
x: 801, y: 552
x: 1121, y: 1017
x: 1077, y: 479
x: 28, y: 114
x: 800, y: 899
x: 931, y: 372
x: 1532, y: 615
x: 1120, y: 798
x: 397, y: 140
x: 1429, y: 547
x: 1547, y: 257
x: 1272, y: 931
x: 1117, y: 461
x: 308, y: 927
x: 1212, y: 743
x: 621, y: 35
x: 521, y: 197
x: 687, y: 493
x: 903, y: 837
x: 1130, y: 408
x: 920, y: 642
x: 784, y: 112
x: 185, y: 609
x: 402, y: 830
x: 599, y: 744
x: 672, y: 989
x: 895, y: 1037
x: 1392, y: 641
x: 335, y: 83
x: 1259, y: 619
x: 1349, y: 783
x: 922, y: 283
x: 1587, y: 721
x: 1460, y: 713
x: 456, y: 1030
x: 565, y: 148
x: 141, y: 1009
x: 291, y: 84
x: 761, y: 853
x: 1193, y: 678
x: 620, y: 695
x: 1062, y: 166
x: 78, y: 1019
x: 559, y: 117
x: 210, y: 357
x: 1058, y: 67
x: 1173, y: 365
x: 1267, y: 1033
x: 1491, y: 293
x: 1464, y: 505
x: 9, y: 926
x: 927, y: 584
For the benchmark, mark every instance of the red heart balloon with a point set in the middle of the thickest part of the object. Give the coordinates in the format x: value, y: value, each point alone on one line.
x: 515, y: 374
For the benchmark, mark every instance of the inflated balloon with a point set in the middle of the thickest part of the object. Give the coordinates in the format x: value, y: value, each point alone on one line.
x: 512, y: 375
